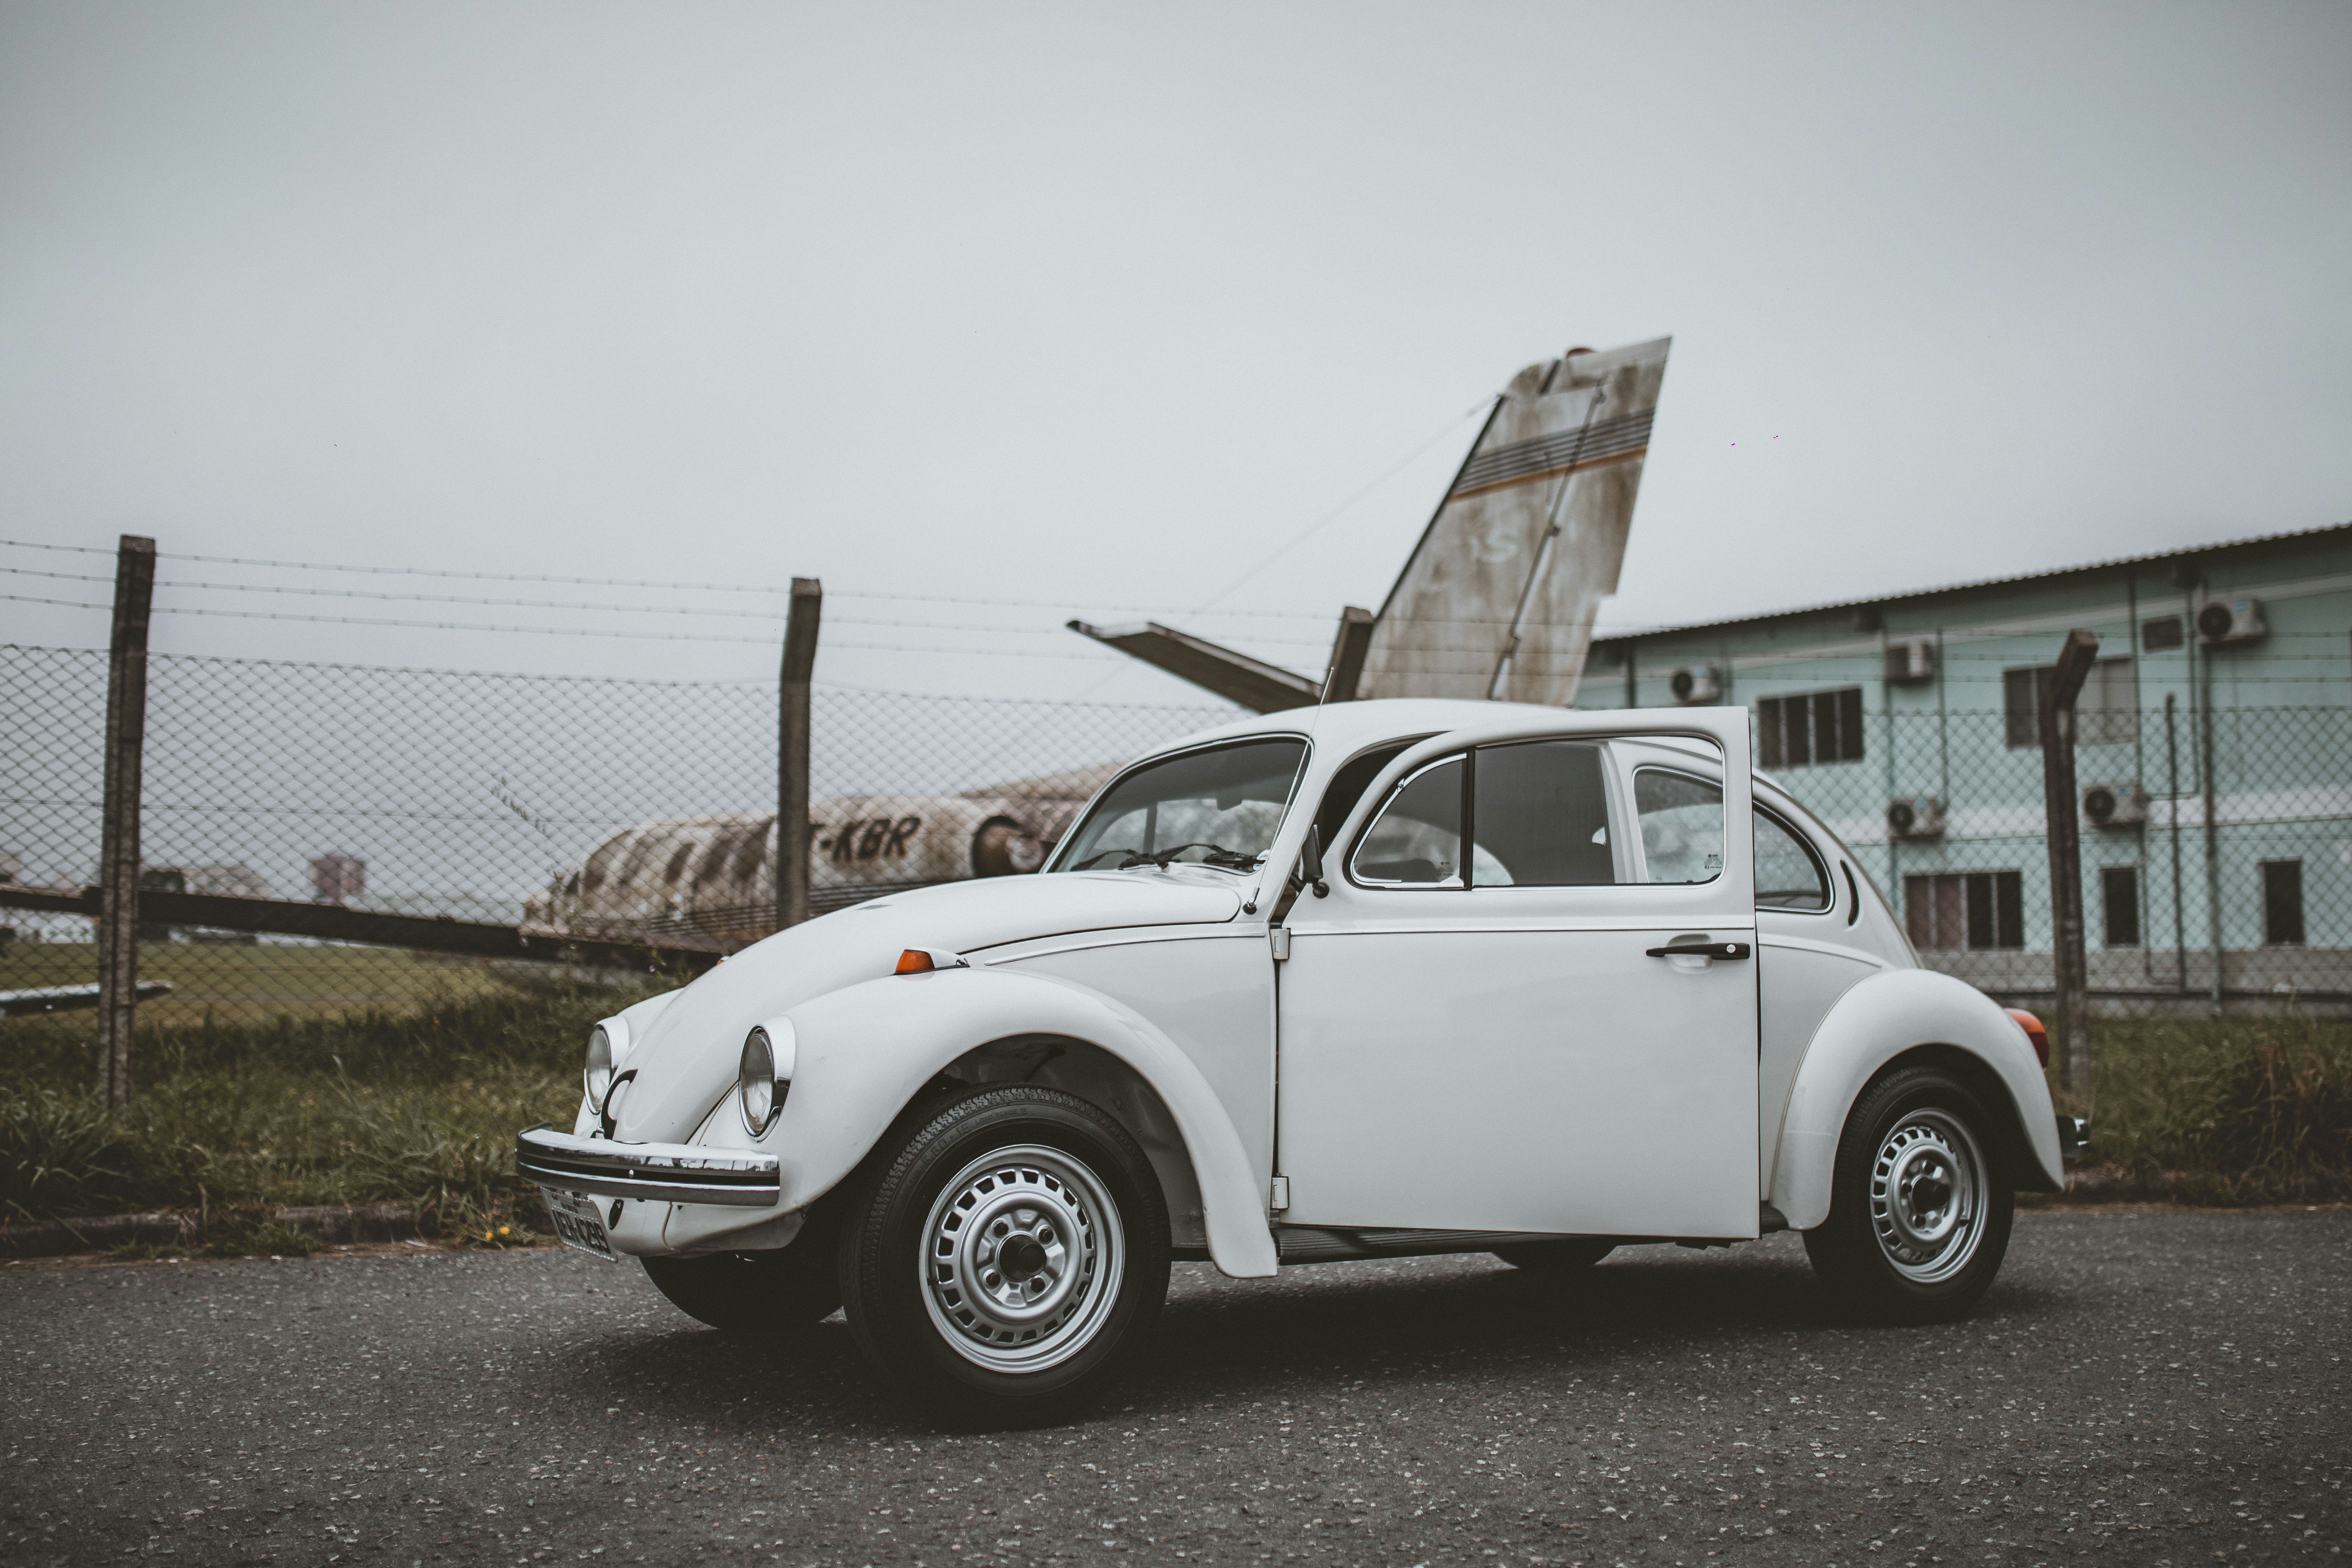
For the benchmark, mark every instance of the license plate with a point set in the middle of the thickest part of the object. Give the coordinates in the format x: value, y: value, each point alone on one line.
x: 579, y: 1220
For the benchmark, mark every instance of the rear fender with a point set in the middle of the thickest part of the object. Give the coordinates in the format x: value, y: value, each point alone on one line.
x: 1902, y: 1012
x: 866, y: 1051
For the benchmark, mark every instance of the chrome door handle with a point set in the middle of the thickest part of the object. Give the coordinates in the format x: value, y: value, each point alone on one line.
x: 1728, y: 949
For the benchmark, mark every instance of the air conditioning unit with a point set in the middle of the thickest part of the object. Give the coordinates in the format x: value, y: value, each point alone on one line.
x: 1694, y: 683
x: 1915, y: 816
x: 1911, y: 662
x: 2114, y: 806
x: 2232, y: 620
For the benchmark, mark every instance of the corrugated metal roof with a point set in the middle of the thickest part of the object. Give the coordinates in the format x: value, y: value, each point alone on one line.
x: 1982, y: 582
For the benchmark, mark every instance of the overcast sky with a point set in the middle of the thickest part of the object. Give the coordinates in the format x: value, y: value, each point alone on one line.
x: 1087, y: 307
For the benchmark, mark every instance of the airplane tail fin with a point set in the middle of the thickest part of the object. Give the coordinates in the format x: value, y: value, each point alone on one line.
x: 1498, y: 598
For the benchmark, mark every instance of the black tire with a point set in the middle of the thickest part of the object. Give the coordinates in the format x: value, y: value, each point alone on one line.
x: 1557, y: 1259
x: 1920, y: 1202
x: 781, y: 1291
x: 982, y: 1300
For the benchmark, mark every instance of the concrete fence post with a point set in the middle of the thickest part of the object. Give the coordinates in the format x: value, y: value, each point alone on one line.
x: 792, y: 753
x: 2071, y: 1038
x: 119, y: 849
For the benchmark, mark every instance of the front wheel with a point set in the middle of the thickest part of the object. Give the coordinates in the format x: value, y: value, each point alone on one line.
x: 1919, y: 1210
x: 1007, y: 1262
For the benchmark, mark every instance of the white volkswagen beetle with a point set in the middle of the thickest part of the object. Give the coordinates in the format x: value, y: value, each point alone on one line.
x: 1375, y: 979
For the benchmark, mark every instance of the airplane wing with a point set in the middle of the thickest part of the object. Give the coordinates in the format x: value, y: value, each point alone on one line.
x: 1498, y: 598
x: 1253, y: 683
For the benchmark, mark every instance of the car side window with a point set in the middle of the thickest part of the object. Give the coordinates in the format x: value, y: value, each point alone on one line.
x: 1539, y: 816
x: 1347, y: 787
x: 1681, y: 825
x: 1788, y: 874
x: 1682, y: 834
x: 1416, y: 840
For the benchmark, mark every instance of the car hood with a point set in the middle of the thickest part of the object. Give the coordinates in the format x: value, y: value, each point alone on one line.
x: 687, y: 1059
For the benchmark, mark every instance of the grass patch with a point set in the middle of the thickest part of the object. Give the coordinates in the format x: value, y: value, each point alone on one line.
x: 251, y: 983
x: 2236, y: 1111
x: 418, y: 1106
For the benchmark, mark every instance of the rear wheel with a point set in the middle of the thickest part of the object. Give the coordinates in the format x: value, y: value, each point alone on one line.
x: 1920, y: 1208
x: 1557, y: 1259
x: 1005, y: 1263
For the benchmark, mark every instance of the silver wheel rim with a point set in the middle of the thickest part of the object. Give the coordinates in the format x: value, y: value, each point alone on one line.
x: 1927, y: 1191
x: 1023, y: 1256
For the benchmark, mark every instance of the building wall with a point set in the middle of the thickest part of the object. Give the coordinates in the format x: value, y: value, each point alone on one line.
x: 2278, y: 710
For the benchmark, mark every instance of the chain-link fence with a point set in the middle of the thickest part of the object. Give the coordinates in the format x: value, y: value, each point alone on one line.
x: 2215, y: 844
x: 2216, y: 849
x: 632, y: 809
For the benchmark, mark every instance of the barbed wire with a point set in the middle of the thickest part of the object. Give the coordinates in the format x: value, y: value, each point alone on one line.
x: 1602, y: 630
x: 1089, y: 655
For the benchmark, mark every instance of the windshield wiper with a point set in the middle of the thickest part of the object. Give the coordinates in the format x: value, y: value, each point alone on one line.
x: 1217, y: 856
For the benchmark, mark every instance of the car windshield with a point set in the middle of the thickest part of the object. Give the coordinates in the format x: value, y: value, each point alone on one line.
x: 1215, y: 807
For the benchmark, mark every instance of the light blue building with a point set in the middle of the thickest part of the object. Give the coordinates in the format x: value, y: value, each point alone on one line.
x: 2214, y: 761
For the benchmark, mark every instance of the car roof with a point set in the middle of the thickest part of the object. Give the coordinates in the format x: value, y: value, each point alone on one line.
x: 1342, y: 729
x: 1346, y: 727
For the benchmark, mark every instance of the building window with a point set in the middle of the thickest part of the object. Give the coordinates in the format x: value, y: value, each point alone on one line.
x: 2106, y: 712
x: 1965, y: 908
x: 2119, y: 905
x: 2160, y: 633
x: 2283, y: 903
x: 1809, y: 728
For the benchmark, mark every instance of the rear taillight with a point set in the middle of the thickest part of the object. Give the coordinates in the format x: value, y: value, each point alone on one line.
x: 2034, y: 1032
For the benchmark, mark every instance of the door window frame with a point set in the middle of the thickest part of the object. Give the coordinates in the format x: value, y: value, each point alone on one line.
x: 1727, y: 902
x: 1626, y: 858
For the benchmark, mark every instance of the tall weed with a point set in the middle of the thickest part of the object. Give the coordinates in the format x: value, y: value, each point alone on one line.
x: 63, y: 1154
x: 418, y: 1108
x: 2251, y: 1109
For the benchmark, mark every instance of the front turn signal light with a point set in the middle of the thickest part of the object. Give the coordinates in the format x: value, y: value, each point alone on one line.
x: 926, y: 960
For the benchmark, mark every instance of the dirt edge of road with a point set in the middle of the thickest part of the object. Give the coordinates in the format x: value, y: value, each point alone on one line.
x: 2029, y: 1207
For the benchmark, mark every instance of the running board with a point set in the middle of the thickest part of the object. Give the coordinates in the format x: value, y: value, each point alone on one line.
x: 1333, y: 1244
x: 1317, y: 1243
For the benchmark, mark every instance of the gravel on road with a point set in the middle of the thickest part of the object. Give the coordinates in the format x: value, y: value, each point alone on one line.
x: 2146, y: 1388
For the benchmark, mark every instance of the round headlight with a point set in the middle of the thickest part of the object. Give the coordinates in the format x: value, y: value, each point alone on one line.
x: 756, y: 1083
x: 765, y: 1077
x: 597, y: 1076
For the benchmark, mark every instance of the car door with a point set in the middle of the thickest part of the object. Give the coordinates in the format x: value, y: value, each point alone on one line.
x: 1480, y: 1026
x: 1809, y: 947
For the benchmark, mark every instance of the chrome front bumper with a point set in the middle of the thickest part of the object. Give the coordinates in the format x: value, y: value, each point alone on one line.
x: 2074, y: 1139
x: 666, y: 1173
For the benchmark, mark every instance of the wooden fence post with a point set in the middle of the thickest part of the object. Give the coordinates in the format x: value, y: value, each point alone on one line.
x: 118, y: 855
x: 792, y: 753
x: 2071, y: 1042
x: 1346, y: 671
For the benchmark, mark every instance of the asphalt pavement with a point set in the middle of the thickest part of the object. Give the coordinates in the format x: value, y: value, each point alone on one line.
x: 2148, y: 1388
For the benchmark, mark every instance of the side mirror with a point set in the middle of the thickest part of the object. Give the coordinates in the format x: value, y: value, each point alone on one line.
x: 1311, y: 862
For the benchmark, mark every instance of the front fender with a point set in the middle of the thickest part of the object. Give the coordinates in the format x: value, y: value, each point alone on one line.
x: 636, y: 1020
x: 1878, y: 1020
x: 866, y: 1050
